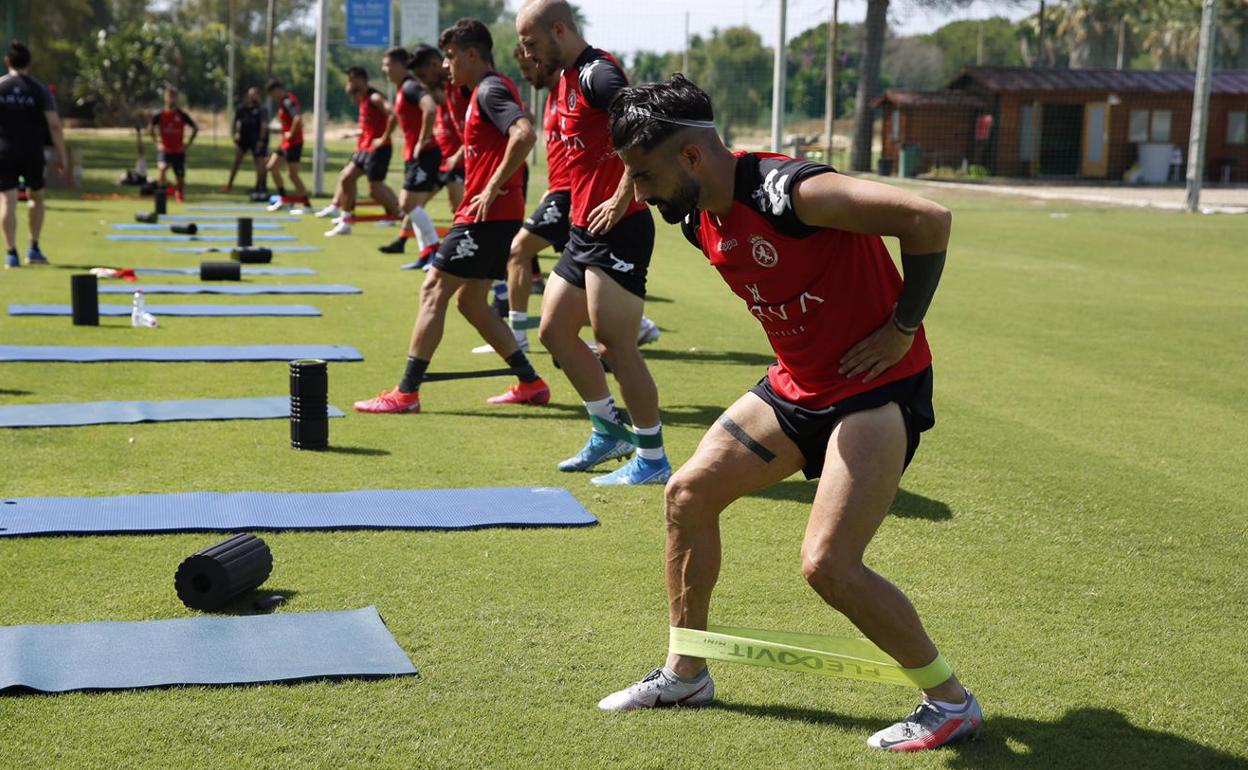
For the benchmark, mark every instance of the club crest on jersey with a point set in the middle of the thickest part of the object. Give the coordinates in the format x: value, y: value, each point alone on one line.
x: 571, y: 100
x: 763, y: 251
x: 773, y: 193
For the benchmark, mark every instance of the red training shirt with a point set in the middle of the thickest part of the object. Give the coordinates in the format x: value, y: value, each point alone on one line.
x: 172, y: 126
x: 556, y: 155
x: 287, y: 110
x: 816, y: 291
x: 594, y: 170
x: 411, y: 116
x: 494, y: 106
x: 372, y: 122
x: 448, y: 130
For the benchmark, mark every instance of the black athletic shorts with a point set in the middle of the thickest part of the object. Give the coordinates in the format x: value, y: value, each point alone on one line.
x: 477, y: 250
x: 811, y: 429
x: 451, y: 176
x: 291, y: 154
x: 550, y: 219
x: 174, y: 160
x: 623, y: 253
x: 375, y: 164
x: 420, y: 174
x: 29, y: 166
x: 254, y: 146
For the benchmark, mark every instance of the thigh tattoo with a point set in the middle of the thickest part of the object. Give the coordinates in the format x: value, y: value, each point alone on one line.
x: 737, y: 432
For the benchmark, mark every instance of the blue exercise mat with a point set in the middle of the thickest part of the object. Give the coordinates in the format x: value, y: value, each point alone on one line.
x: 283, y: 647
x: 202, y: 311
x: 259, y: 208
x: 247, y: 511
x: 109, y: 412
x: 190, y: 238
x: 234, y: 288
x: 197, y: 218
x: 245, y: 271
x: 13, y: 353
x: 150, y: 227
x: 227, y: 249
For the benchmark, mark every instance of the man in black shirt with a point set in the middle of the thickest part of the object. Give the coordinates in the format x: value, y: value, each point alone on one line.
x: 251, y: 134
x: 28, y: 123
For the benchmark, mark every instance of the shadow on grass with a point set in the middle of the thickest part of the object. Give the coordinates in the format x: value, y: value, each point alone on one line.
x: 362, y: 451
x: 711, y: 356
x: 8, y: 392
x: 247, y: 603
x: 906, y: 505
x: 1086, y: 737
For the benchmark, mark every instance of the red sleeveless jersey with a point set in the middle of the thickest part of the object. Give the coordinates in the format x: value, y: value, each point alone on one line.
x: 816, y: 291
x: 494, y: 106
x: 372, y: 122
x: 287, y: 109
x: 411, y: 117
x: 594, y: 170
x: 556, y: 155
x: 448, y: 130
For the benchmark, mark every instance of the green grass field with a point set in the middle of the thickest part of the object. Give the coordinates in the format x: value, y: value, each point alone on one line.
x: 1072, y: 531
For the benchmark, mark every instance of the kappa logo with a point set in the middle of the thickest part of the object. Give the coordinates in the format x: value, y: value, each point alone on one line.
x: 620, y: 266
x: 774, y: 193
x: 467, y: 247
x: 551, y: 215
x: 763, y: 251
x: 421, y: 176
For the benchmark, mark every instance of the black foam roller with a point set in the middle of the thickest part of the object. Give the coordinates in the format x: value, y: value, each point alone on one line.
x: 216, y: 576
x: 147, y: 217
x: 220, y: 271
x: 244, y: 231
x: 252, y: 255
x: 190, y: 228
x: 309, y: 404
x: 159, y: 199
x: 85, y: 299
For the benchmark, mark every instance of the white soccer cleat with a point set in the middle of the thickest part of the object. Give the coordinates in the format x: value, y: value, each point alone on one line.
x: 276, y: 205
x: 930, y: 727
x: 329, y: 211
x: 661, y: 689
x: 342, y: 228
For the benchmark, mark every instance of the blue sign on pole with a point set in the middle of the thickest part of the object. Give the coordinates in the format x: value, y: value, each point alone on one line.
x: 368, y: 23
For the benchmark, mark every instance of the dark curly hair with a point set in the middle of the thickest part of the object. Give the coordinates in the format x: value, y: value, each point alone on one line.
x: 645, y: 116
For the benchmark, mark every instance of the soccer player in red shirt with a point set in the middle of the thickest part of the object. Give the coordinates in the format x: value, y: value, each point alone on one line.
x: 601, y: 275
x: 448, y: 131
x: 371, y: 158
x: 846, y: 401
x: 415, y: 111
x: 168, y: 129
x: 498, y: 134
x: 290, y: 150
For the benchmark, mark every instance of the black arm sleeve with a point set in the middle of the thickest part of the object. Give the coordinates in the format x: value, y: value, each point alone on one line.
x: 155, y: 121
x: 921, y: 274
x: 495, y: 101
x: 292, y: 109
x: 189, y: 120
x: 601, y: 81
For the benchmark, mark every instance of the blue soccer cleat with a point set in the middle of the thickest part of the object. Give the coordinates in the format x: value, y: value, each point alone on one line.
x: 638, y: 470
x: 35, y: 257
x: 598, y: 449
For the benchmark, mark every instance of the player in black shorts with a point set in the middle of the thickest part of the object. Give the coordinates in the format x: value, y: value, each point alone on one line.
x: 251, y: 135
x: 28, y: 123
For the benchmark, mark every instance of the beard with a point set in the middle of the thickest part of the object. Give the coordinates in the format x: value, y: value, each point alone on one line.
x: 681, y: 203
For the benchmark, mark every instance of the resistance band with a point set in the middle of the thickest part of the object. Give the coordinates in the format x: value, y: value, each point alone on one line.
x: 623, y: 432
x: 432, y: 377
x: 805, y: 653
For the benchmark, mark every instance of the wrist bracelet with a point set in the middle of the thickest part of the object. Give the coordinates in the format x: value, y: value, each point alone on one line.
x: 909, y: 332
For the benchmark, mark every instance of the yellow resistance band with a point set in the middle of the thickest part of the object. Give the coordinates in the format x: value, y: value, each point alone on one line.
x: 805, y: 653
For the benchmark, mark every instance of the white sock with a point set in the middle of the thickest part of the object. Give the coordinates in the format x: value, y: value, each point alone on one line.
x: 424, y: 226
x: 950, y: 707
x: 650, y: 454
x: 604, y: 409
x: 518, y: 321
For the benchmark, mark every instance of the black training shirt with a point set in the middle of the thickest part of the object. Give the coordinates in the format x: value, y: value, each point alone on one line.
x: 23, y: 127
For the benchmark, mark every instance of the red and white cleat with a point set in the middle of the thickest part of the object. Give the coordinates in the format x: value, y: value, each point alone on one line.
x: 390, y: 402
x: 535, y: 392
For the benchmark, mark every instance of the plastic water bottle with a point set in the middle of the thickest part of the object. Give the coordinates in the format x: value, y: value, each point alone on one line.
x: 138, y: 312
